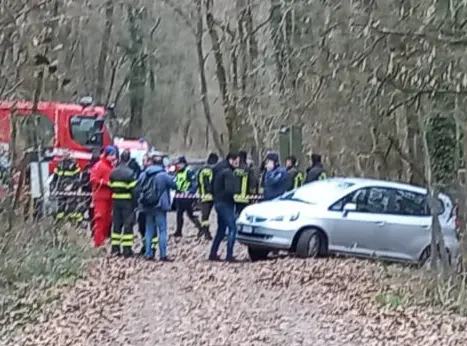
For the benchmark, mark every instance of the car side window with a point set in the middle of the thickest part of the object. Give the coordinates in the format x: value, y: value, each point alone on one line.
x: 410, y: 203
x: 367, y: 200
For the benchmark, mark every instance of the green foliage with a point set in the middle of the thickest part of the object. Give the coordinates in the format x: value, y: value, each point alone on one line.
x: 441, y: 137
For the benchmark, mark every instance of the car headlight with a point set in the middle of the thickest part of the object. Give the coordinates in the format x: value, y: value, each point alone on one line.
x: 292, y: 217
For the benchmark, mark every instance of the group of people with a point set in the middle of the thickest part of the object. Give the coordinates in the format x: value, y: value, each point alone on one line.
x: 122, y: 193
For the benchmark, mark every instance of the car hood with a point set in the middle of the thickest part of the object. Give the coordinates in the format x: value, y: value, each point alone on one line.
x: 276, y: 208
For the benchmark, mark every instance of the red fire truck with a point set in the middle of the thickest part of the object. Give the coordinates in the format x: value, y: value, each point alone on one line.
x: 79, y: 128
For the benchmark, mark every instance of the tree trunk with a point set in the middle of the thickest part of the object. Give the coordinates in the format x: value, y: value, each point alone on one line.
x: 101, y: 62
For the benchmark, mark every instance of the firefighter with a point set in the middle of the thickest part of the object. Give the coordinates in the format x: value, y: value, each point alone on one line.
x: 316, y: 171
x: 205, y: 191
x: 243, y: 178
x: 295, y: 178
x: 86, y: 185
x: 102, y: 195
x: 66, y: 178
x: 261, y: 176
x: 186, y: 182
x: 122, y: 182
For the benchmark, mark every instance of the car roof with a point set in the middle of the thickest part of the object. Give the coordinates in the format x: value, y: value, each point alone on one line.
x: 364, y: 182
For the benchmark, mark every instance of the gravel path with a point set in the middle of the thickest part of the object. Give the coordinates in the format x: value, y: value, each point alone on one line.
x: 194, y: 302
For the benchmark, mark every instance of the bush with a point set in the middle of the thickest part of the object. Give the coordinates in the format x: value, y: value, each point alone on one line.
x: 33, y: 259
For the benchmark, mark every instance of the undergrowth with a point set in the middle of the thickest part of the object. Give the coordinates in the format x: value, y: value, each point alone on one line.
x: 404, y: 286
x: 36, y: 261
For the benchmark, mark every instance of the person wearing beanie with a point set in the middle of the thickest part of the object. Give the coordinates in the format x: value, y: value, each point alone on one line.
x: 123, y: 184
x: 186, y: 181
x: 275, y: 178
x: 316, y: 171
x: 295, y: 178
x: 102, y: 195
x: 205, y: 175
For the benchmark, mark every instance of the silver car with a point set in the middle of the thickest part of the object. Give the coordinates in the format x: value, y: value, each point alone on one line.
x: 360, y: 217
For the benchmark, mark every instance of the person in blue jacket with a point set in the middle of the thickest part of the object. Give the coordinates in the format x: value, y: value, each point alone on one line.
x: 275, y: 180
x: 155, y: 176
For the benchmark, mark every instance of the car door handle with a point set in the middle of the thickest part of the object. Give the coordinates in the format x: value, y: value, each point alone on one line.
x: 380, y: 223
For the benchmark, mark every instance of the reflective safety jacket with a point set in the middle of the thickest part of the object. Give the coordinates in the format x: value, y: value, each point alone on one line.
x: 66, y: 176
x: 241, y: 184
x: 122, y: 182
x: 185, y: 180
x: 260, y: 185
x: 205, y: 175
x: 295, y: 179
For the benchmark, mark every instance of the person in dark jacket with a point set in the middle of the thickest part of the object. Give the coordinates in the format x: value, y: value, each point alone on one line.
x: 316, y: 171
x: 275, y: 178
x: 205, y: 175
x: 185, y: 178
x: 260, y: 180
x: 156, y: 215
x: 135, y: 167
x: 223, y: 192
x: 67, y: 178
x: 295, y: 178
x: 141, y: 217
x: 122, y: 183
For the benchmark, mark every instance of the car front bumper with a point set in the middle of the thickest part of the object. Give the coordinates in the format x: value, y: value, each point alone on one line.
x: 265, y: 237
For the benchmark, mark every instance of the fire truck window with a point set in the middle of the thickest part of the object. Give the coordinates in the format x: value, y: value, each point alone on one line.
x: 40, y: 127
x: 82, y: 129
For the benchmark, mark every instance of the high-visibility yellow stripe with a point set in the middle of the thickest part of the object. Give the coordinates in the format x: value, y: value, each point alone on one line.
x: 115, y: 236
x: 60, y: 215
x: 127, y: 237
x: 204, y: 222
x: 122, y: 185
x: 155, y: 242
x: 127, y: 243
x: 117, y: 195
x: 206, y: 198
x: 66, y: 173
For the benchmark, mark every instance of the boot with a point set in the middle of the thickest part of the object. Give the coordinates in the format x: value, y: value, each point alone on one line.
x: 178, y: 234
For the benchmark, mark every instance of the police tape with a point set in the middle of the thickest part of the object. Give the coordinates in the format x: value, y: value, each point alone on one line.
x: 253, y: 197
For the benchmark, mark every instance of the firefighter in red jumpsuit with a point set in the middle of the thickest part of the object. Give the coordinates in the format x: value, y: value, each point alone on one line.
x: 102, y: 195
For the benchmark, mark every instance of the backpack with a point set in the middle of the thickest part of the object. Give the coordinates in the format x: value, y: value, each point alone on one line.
x: 150, y: 193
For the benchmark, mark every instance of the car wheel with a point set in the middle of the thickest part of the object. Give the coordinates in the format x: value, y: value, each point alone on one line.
x: 309, y: 243
x: 257, y: 254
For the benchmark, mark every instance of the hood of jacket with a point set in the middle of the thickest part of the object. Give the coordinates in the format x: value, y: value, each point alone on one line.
x: 153, y: 169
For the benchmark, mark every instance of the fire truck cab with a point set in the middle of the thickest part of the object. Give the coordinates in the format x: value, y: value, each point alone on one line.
x: 55, y: 128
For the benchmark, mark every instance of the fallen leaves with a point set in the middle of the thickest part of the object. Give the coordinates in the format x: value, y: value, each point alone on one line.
x: 283, y: 301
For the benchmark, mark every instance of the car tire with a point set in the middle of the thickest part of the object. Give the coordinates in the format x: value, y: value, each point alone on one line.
x: 257, y: 254
x: 309, y: 244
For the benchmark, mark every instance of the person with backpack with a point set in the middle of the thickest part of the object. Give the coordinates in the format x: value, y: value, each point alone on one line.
x: 122, y: 184
x: 153, y: 189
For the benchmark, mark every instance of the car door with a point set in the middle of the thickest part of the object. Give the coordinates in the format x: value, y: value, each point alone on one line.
x: 355, y: 231
x: 408, y: 229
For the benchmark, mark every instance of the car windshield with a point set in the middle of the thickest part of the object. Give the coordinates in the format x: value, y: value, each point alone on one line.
x: 318, y: 191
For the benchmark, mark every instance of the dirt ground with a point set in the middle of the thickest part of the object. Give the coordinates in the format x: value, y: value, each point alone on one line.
x: 283, y: 301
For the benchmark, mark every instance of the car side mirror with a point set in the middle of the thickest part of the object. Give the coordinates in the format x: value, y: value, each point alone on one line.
x: 348, y: 208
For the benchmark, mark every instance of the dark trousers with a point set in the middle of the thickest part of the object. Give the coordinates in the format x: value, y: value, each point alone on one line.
x: 239, y: 207
x: 206, y: 208
x: 142, y: 224
x: 225, y: 219
x: 122, y: 231
x: 185, y: 205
